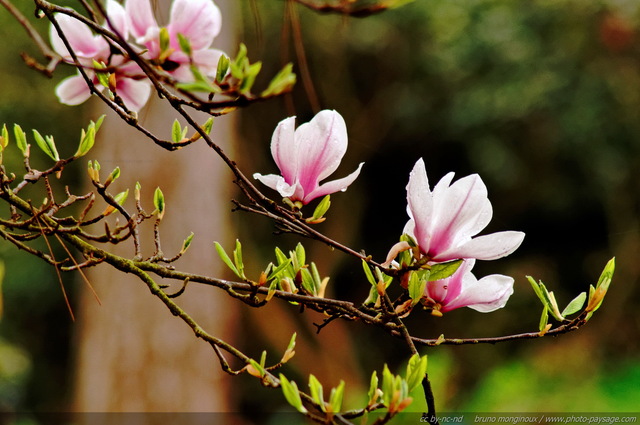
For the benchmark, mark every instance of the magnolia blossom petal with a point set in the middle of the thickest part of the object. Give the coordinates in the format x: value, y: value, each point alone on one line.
x: 84, y: 43
x: 322, y: 142
x: 198, y: 20
x: 141, y: 18
x: 117, y: 18
x: 207, y: 60
x: 485, y: 295
x: 487, y: 247
x: 339, y: 185
x: 419, y: 205
x: 285, y: 150
x: 73, y: 90
x: 134, y: 93
x: 276, y: 182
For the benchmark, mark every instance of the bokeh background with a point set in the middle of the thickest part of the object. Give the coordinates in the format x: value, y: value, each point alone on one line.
x: 541, y: 98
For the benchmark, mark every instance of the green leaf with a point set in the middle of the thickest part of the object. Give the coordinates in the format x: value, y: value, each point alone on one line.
x: 388, y: 385
x: 225, y: 258
x: 114, y: 175
x: 47, y: 145
x: 417, y: 286
x: 373, y: 388
x: 544, y: 318
x: 336, y: 397
x: 121, y: 197
x: 250, y: 77
x: 291, y: 393
x: 176, y: 131
x: 223, y: 68
x: 282, y: 82
x: 165, y: 39
x: 607, y: 273
x: 322, y: 208
x: 87, y: 139
x: 444, y: 270
x: 158, y: 202
x: 21, y: 139
x: 367, y: 272
x: 208, y: 125
x: 187, y: 242
x: 4, y: 138
x: 416, y: 371
x: 575, y: 305
x: 103, y: 77
x: 300, y: 255
x: 278, y: 269
x: 258, y: 367
x: 292, y: 342
x: 184, y: 43
x: 316, y: 390
x: 237, y: 258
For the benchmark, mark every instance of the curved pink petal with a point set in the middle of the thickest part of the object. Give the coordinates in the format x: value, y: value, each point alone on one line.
x: 339, y: 185
x: 420, y: 205
x: 486, y: 247
x: 322, y: 142
x: 73, y: 90
x: 485, y: 295
x: 198, y: 20
x: 84, y: 43
x: 276, y: 182
x: 134, y: 93
x: 456, y: 213
x: 117, y: 18
x: 140, y: 17
x: 285, y: 150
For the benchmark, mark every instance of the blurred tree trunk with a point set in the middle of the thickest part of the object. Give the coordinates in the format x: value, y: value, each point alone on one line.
x: 132, y: 354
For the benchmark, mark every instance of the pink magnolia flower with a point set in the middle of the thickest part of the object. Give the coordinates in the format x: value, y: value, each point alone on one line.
x: 307, y: 155
x: 130, y: 84
x: 462, y: 289
x: 444, y: 221
x: 199, y: 21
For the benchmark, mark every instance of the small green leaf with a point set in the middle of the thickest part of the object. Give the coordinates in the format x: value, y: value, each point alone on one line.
x: 158, y: 202
x: 187, y: 242
x: 47, y: 145
x: 225, y: 258
x: 208, y: 125
x: 257, y: 367
x: 575, y: 305
x: 223, y: 68
x: 372, y: 394
x: 291, y: 393
x: 87, y: 140
x: 444, y: 270
x: 185, y: 44
x: 21, y: 138
x: 103, y: 77
x: 388, y: 385
x: 544, y: 318
x: 300, y: 255
x: 417, y: 287
x: 322, y: 208
x: 336, y: 397
x: 416, y: 371
x: 121, y: 197
x: 4, y: 138
x: 316, y: 390
x: 278, y: 269
x: 367, y: 272
x: 607, y: 273
x: 165, y: 39
x: 237, y: 258
x: 176, y: 131
x: 282, y: 82
x: 250, y: 77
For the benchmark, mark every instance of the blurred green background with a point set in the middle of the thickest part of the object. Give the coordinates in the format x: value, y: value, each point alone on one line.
x: 540, y: 97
